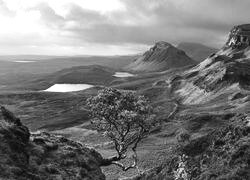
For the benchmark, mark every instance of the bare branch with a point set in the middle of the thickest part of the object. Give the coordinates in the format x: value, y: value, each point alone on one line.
x: 131, y: 166
x: 126, y: 132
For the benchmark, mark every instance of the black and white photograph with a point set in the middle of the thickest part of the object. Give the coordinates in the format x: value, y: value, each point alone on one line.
x: 124, y: 89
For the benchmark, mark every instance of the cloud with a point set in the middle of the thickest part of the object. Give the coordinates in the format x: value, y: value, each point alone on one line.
x: 144, y: 21
x: 4, y: 10
x: 132, y: 23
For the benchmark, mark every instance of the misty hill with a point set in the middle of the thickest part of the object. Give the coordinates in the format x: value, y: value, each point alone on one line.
x: 196, y: 51
x: 16, y: 69
x: 37, y: 64
x: 161, y: 56
x: 93, y: 74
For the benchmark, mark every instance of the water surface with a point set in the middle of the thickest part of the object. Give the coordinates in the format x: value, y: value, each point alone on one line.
x: 24, y: 61
x: 123, y: 74
x: 68, y: 87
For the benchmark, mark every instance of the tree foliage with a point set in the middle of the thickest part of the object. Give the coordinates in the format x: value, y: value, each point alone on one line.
x: 124, y: 117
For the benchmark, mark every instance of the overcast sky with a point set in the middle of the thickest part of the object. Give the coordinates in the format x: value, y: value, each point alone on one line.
x: 112, y: 27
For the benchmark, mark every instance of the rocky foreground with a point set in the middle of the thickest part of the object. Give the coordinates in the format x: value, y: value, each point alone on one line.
x: 42, y: 156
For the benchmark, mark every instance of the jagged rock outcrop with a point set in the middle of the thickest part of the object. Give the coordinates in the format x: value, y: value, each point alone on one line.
x: 43, y: 156
x: 239, y: 36
x: 161, y: 56
x: 220, y: 75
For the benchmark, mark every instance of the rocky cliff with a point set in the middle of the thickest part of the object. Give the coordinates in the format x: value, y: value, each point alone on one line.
x: 213, y: 101
x: 239, y: 36
x: 42, y: 156
x: 223, y: 76
x: 161, y: 56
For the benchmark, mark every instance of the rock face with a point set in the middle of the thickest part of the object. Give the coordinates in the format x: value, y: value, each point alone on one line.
x: 216, y: 94
x: 239, y: 36
x: 221, y: 74
x: 196, y: 51
x: 161, y: 56
x: 41, y: 156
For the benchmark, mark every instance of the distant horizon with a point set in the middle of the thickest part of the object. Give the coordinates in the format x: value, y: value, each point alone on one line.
x: 57, y: 55
x: 99, y: 55
x: 113, y: 27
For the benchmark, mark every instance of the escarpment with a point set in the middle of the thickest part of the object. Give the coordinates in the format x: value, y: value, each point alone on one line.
x: 239, y: 36
x: 214, y: 98
x: 221, y: 74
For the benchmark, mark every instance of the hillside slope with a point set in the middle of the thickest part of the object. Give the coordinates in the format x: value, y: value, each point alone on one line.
x: 93, y: 74
x: 196, y: 51
x: 161, y: 56
x: 213, y: 115
x: 222, y: 80
x: 41, y: 156
x: 16, y: 69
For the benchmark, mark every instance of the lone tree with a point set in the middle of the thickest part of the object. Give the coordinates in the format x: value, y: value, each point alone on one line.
x: 125, y: 118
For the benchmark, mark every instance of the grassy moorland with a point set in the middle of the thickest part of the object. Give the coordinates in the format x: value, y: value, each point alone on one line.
x: 202, y: 112
x: 19, y: 70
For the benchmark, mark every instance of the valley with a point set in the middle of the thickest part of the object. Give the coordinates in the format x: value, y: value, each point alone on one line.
x: 187, y: 97
x: 124, y: 90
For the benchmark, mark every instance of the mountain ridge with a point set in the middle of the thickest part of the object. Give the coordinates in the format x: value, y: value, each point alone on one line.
x: 203, y: 112
x: 212, y: 106
x: 162, y: 56
x: 197, y: 51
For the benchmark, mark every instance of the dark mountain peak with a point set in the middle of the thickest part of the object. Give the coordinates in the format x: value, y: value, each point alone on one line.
x: 158, y: 47
x: 161, y: 50
x: 239, y: 36
x: 161, y: 56
x: 162, y: 45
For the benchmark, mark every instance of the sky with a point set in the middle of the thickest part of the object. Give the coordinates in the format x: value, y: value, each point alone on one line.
x: 114, y: 27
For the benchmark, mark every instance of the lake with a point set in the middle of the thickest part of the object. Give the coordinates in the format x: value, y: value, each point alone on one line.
x: 123, y: 74
x: 24, y: 61
x: 68, y: 87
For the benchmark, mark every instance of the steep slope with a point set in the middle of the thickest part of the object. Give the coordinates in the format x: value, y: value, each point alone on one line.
x: 42, y: 156
x: 221, y: 80
x: 161, y: 56
x: 222, y: 154
x: 213, y: 116
x: 196, y: 51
